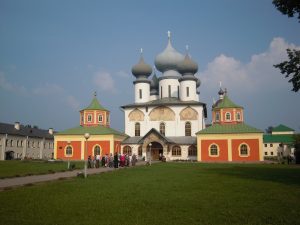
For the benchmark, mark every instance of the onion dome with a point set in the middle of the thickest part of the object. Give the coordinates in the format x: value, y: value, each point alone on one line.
x: 169, y: 58
x: 221, y: 92
x: 187, y: 66
x: 141, y: 70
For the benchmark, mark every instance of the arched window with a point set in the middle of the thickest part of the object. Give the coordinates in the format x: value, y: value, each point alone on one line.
x: 127, y: 150
x: 228, y: 116
x: 188, y: 129
x: 137, y: 129
x: 176, y: 150
x: 244, y: 150
x: 100, y: 118
x: 217, y: 117
x: 11, y: 143
x: 192, y: 150
x: 69, y: 150
x: 89, y: 118
x: 213, y: 150
x: 97, y: 150
x: 140, y: 151
x: 162, y: 128
x: 238, y: 116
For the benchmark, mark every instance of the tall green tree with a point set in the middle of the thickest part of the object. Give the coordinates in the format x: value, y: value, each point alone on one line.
x: 291, y: 67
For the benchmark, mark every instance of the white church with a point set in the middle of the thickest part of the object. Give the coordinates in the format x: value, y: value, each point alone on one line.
x: 166, y: 113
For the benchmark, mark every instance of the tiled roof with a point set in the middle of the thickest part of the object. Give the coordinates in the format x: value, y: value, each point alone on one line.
x: 93, y: 130
x: 229, y: 129
x: 282, y: 128
x: 95, y: 105
x: 225, y: 103
x: 278, y: 138
x: 29, y: 131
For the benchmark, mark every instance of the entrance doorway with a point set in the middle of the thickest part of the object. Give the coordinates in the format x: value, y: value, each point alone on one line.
x: 9, y: 155
x: 156, y: 150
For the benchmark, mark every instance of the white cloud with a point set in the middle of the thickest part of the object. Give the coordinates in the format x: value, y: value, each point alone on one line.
x: 251, y: 76
x: 48, y: 89
x: 123, y: 74
x: 8, y: 86
x: 104, y: 81
x: 72, y: 101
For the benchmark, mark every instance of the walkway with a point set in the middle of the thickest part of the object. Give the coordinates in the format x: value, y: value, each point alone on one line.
x: 20, y: 181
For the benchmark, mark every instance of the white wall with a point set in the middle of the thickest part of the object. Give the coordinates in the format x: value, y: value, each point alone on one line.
x: 173, y: 128
x: 145, y: 89
x: 191, y: 84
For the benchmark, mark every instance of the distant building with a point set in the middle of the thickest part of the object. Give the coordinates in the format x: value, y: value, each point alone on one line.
x: 279, y: 142
x: 229, y: 139
x: 166, y: 113
x: 71, y: 144
x: 18, y: 142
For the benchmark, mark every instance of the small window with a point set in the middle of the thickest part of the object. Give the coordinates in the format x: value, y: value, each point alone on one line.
x: 169, y: 88
x: 11, y: 143
x: 228, y: 116
x: 140, y: 151
x: 160, y: 92
x: 271, y: 145
x: 266, y: 153
x: 140, y: 92
x: 217, y: 116
x: 192, y: 151
x: 69, y: 151
x: 266, y: 145
x: 107, y: 118
x: 213, y: 151
x: 244, y: 150
x: 238, y: 116
x: 271, y: 153
x: 178, y: 92
x: 176, y: 150
x: 97, y: 150
x: 188, y: 129
x: 81, y: 119
x: 127, y: 150
x: 187, y: 91
x: 89, y: 118
x: 100, y: 118
x: 162, y: 128
x: 137, y: 129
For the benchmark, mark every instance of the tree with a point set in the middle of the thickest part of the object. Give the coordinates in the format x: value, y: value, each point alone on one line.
x: 288, y: 7
x: 291, y: 67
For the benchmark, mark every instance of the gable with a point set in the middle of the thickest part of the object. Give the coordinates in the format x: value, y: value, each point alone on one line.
x: 188, y: 114
x: 162, y: 113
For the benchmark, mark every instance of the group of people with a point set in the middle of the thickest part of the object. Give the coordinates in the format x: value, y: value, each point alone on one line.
x: 117, y: 160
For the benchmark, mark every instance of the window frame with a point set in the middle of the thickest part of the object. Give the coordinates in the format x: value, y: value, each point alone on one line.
x: 67, y: 148
x: 210, y: 150
x: 176, y: 151
x: 137, y: 129
x: 162, y: 128
x: 192, y: 149
x: 188, y: 130
x: 228, y: 114
x: 94, y: 149
x: 127, y: 150
x: 247, y: 149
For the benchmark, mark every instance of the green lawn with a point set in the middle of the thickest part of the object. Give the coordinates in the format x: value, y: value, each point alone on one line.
x: 165, y: 193
x: 15, y: 168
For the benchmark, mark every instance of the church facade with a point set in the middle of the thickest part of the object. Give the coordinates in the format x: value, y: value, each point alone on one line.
x: 166, y: 113
x: 229, y: 138
x: 92, y: 137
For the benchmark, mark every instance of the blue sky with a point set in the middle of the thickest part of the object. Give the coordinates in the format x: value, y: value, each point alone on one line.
x: 55, y: 54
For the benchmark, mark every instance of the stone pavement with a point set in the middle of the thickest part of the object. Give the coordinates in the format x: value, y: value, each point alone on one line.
x: 20, y: 181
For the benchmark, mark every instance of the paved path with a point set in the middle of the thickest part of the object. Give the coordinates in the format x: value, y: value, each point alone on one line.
x: 20, y: 181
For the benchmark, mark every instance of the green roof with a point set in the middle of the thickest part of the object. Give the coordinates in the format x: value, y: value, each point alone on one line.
x: 229, y: 129
x: 95, y: 105
x: 93, y: 130
x: 278, y: 138
x: 282, y: 128
x: 226, y: 103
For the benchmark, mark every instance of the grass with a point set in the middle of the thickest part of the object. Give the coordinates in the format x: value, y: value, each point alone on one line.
x: 165, y: 193
x: 17, y: 168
